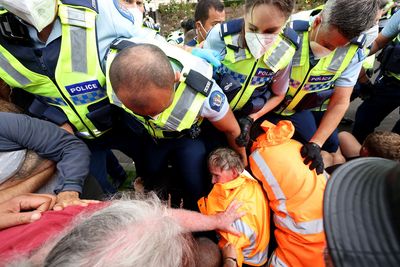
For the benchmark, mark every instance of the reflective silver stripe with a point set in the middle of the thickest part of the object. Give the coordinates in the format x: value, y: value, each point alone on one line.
x: 338, y: 58
x: 275, y: 261
x: 241, y: 53
x: 16, y: 75
x: 180, y: 109
x: 76, y: 17
x: 308, y: 227
x: 259, y: 257
x: 78, y: 49
x: 297, y: 55
x: 303, y: 228
x: 278, y: 53
x: 270, y: 179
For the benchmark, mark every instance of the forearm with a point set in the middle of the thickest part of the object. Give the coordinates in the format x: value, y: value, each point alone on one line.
x: 270, y: 105
x: 29, y: 185
x: 193, y: 221
x: 330, y: 121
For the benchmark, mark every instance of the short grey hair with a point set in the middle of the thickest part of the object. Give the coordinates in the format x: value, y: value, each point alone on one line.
x: 351, y: 17
x: 126, y: 233
x: 225, y: 159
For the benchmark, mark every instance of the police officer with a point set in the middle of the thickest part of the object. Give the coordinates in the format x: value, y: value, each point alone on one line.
x: 255, y: 57
x: 386, y: 96
x: 55, y: 51
x: 171, y: 102
x: 324, y: 71
x: 207, y: 14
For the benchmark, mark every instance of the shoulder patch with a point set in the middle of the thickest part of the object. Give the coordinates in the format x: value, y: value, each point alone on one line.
x: 123, y: 11
x: 91, y: 4
x: 216, y: 100
x: 231, y: 27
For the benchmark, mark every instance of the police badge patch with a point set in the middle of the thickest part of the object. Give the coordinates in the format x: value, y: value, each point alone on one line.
x: 216, y: 100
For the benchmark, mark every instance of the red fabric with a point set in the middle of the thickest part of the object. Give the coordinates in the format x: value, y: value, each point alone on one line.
x: 22, y: 239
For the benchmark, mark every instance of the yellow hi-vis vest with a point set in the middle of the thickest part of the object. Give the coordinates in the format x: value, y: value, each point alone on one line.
x: 250, y: 72
x: 252, y: 244
x: 311, y: 87
x: 188, y: 100
x: 79, y: 79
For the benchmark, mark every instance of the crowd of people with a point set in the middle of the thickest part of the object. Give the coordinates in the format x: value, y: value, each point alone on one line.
x: 239, y: 124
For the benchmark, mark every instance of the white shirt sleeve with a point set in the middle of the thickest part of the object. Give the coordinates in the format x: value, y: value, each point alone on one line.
x: 216, y: 105
x: 392, y: 28
x: 349, y: 76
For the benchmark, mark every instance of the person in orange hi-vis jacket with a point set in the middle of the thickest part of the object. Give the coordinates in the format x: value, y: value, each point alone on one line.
x: 295, y: 196
x: 233, y: 183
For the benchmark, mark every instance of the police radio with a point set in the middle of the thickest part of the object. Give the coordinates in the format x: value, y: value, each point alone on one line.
x: 13, y: 30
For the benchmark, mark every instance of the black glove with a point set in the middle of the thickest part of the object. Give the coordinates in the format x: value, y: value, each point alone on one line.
x: 366, y: 90
x: 311, y: 152
x: 245, y: 124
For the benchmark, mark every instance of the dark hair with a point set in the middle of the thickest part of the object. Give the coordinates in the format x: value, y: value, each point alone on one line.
x: 286, y: 6
x: 187, y: 25
x: 135, y: 69
x: 203, y: 7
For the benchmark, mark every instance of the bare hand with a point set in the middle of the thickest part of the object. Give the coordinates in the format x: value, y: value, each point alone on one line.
x: 24, y: 209
x: 66, y: 126
x: 229, y: 251
x: 71, y: 198
x: 226, y: 218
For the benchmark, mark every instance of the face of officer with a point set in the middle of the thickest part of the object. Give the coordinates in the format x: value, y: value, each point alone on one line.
x: 214, y: 17
x: 262, y: 24
x: 222, y: 176
x: 324, y: 38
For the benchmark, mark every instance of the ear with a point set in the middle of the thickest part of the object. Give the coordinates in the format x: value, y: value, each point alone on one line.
x: 177, y: 76
x: 198, y: 25
x: 364, y: 152
x: 235, y: 172
x: 317, y: 21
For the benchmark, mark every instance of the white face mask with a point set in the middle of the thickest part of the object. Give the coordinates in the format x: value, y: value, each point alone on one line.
x: 318, y: 50
x: 137, y: 16
x: 372, y: 34
x: 38, y: 13
x: 259, y: 43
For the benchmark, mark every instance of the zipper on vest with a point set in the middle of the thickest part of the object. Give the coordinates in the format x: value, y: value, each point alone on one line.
x: 72, y: 107
x: 246, y: 83
x: 153, y: 136
x: 299, y: 89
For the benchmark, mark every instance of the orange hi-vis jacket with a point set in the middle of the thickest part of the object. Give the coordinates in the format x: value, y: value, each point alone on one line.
x: 252, y: 245
x: 295, y: 196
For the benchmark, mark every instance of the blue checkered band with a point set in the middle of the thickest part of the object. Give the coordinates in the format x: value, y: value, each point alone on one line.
x: 261, y: 80
x: 318, y: 86
x: 53, y: 100
x: 293, y: 83
x: 235, y: 75
x: 88, y: 98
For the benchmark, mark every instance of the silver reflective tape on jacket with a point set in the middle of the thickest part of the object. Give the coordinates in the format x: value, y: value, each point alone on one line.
x: 297, y: 55
x: 338, y: 58
x: 257, y: 258
x: 16, y: 75
x: 241, y: 53
x: 181, y: 108
x: 76, y: 19
x: 307, y: 227
x: 275, y: 261
x: 278, y: 53
x: 78, y: 49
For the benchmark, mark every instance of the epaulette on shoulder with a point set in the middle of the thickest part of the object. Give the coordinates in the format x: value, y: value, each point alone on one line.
x: 300, y: 25
x: 360, y: 40
x: 231, y: 27
x: 91, y: 4
x: 292, y: 35
x: 120, y: 44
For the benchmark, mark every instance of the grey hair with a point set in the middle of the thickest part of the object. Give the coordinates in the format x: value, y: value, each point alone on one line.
x: 225, y: 159
x: 351, y: 17
x: 126, y: 233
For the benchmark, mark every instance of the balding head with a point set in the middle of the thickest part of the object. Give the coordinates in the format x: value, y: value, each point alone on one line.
x: 143, y: 79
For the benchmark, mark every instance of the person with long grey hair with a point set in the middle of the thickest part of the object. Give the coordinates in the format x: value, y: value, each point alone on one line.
x: 139, y: 232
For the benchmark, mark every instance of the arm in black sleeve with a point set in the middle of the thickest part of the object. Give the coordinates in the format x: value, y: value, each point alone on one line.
x: 19, y: 131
